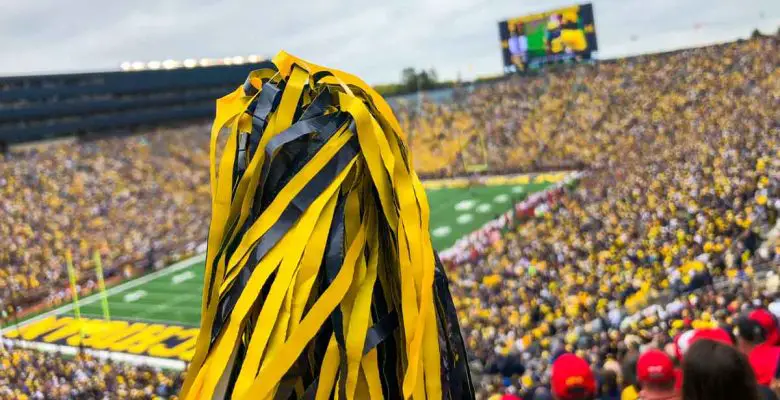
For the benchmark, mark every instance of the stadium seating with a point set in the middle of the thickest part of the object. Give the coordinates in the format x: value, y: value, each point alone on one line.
x: 28, y: 374
x: 682, y: 187
x: 136, y: 200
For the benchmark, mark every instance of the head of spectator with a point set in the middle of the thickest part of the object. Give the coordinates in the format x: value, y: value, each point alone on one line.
x: 750, y: 334
x: 768, y: 323
x: 716, y: 371
x: 572, y: 379
x: 609, y: 385
x: 656, y: 376
x: 687, y: 339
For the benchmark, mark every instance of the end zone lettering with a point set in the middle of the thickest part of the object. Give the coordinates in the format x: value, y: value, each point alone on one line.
x: 139, y: 338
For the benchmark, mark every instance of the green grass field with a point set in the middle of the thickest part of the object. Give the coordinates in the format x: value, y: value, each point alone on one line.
x: 173, y: 295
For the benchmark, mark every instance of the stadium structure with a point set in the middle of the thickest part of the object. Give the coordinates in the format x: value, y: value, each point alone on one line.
x: 47, y: 107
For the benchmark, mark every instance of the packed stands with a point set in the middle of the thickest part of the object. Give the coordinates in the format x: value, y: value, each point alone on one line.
x: 138, y: 200
x: 583, y: 114
x: 682, y: 188
x: 28, y: 374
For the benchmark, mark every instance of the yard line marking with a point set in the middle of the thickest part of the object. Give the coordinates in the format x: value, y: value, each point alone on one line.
x: 465, y: 205
x: 166, y: 305
x: 441, y: 231
x: 464, y: 219
x: 484, y: 207
x: 115, y: 290
x: 501, y: 198
x: 134, y: 296
x: 182, y: 277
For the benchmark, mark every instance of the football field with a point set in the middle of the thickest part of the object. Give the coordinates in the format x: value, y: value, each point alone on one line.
x: 154, y: 318
x: 175, y: 296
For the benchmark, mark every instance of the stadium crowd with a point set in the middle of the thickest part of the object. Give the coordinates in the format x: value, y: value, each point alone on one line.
x: 32, y: 375
x: 682, y: 190
x: 134, y: 200
x: 672, y: 203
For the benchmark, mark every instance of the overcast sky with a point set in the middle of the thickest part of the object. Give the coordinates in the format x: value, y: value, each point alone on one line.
x: 373, y: 39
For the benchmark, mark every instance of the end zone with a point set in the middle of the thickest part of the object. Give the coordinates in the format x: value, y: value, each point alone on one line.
x: 162, y: 345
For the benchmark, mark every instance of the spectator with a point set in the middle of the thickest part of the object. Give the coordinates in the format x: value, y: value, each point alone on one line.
x: 716, y: 371
x: 768, y: 324
x: 763, y: 356
x: 609, y: 387
x: 657, y: 376
x: 572, y: 379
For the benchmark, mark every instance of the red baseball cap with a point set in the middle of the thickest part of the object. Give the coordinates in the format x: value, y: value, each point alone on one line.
x: 572, y: 378
x: 655, y: 366
x: 715, y: 334
x: 685, y: 340
x: 768, y: 324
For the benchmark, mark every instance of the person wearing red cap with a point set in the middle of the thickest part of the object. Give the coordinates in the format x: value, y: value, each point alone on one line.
x: 684, y: 341
x: 657, y: 376
x: 768, y: 322
x: 763, y: 356
x: 714, y: 334
x: 572, y: 379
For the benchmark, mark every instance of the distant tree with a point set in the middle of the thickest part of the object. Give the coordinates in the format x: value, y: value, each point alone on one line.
x: 409, y: 79
x: 433, y: 75
x: 425, y: 81
x: 412, y: 81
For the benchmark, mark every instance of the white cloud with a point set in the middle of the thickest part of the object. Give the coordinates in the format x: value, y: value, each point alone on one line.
x: 373, y: 40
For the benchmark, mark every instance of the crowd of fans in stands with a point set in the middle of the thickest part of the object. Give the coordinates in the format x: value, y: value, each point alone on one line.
x: 682, y: 190
x: 684, y: 186
x: 134, y: 200
x: 27, y: 374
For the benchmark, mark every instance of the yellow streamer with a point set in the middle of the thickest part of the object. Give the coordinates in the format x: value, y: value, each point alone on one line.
x: 265, y: 332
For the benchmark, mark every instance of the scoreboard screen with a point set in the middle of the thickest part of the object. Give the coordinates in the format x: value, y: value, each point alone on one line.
x: 562, y: 35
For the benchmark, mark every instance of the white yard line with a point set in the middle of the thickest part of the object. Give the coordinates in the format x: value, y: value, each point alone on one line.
x: 168, y: 304
x: 114, y: 290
